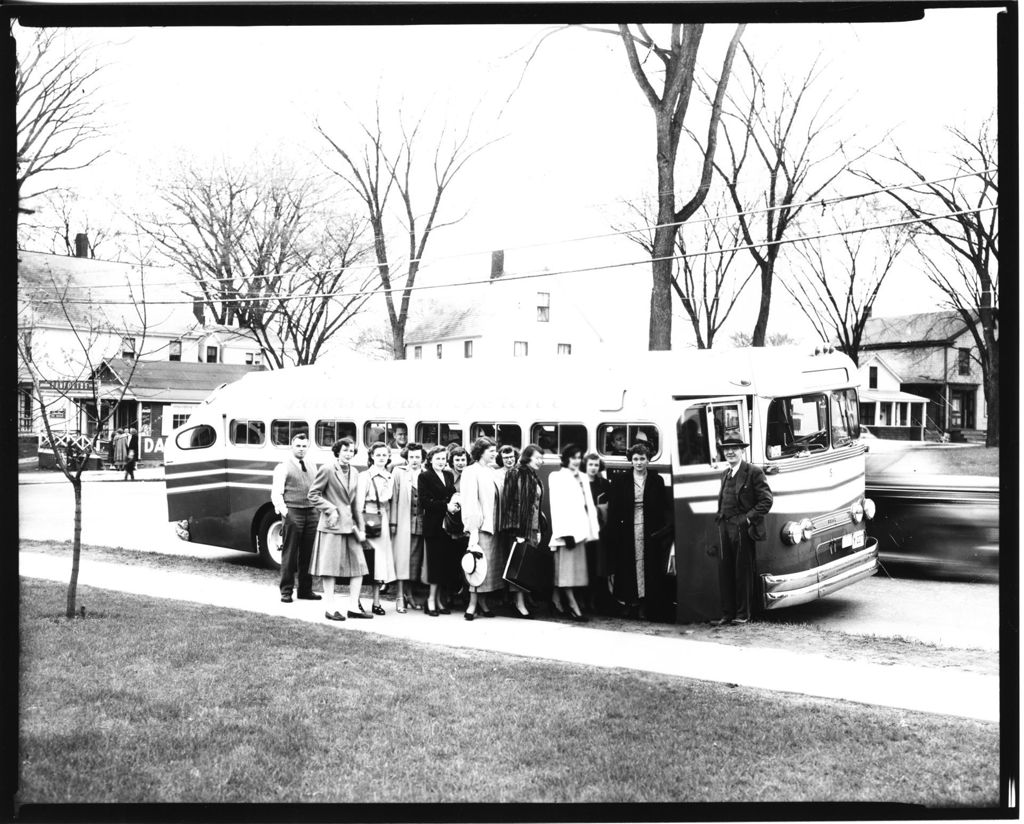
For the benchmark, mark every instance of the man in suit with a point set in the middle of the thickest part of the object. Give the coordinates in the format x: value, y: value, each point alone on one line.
x: 289, y: 491
x: 743, y: 501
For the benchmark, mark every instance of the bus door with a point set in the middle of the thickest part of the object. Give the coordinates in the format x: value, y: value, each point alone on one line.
x: 696, y: 479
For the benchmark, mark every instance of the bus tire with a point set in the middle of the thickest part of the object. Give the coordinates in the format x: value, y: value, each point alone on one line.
x: 269, y: 539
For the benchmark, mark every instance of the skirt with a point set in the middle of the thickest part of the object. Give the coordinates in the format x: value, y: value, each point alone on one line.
x: 571, y: 566
x: 495, y: 568
x: 337, y: 556
x: 442, y: 564
x: 382, y: 566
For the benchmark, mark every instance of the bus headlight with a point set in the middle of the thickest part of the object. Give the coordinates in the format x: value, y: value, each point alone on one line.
x: 869, y: 508
x: 857, y: 512
x: 793, y: 532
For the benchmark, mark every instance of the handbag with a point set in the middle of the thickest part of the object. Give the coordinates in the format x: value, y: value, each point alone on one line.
x: 530, y: 567
x: 374, y: 521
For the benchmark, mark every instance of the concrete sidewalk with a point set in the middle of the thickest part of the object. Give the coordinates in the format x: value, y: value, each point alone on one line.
x: 921, y: 689
x: 55, y: 476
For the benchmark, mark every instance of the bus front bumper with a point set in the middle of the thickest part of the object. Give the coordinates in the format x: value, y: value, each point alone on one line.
x: 809, y: 585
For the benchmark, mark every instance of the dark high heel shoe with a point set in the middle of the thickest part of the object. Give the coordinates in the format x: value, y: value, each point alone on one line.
x: 470, y: 616
x: 377, y: 609
x: 432, y: 612
x: 578, y: 617
x: 519, y: 614
x: 443, y: 610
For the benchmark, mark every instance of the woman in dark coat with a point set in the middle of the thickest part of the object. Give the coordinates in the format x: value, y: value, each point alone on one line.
x: 436, y: 488
x: 521, y: 497
x: 599, y: 561
x: 639, y: 530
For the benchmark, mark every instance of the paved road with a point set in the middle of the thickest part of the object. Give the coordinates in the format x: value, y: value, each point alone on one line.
x: 134, y: 516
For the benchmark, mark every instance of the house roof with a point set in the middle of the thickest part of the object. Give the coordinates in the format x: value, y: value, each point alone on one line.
x: 174, y: 380
x: 887, y: 395
x: 466, y: 322
x: 925, y: 327
x: 103, y: 294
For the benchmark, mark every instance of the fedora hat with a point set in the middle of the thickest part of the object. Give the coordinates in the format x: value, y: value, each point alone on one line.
x: 474, y: 565
x: 732, y: 438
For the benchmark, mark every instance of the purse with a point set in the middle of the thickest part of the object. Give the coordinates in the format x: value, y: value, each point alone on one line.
x: 374, y: 521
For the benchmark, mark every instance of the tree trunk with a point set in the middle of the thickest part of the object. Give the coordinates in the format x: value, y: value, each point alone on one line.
x: 761, y: 327
x: 992, y: 392
x: 398, y: 339
x: 76, y: 548
x: 660, y: 327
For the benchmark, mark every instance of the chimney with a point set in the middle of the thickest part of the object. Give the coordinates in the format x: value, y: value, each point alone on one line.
x: 82, y: 245
x: 497, y: 264
x: 199, y: 310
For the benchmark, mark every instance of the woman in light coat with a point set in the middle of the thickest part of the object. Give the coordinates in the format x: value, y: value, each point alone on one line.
x: 338, y: 551
x: 373, y: 495
x: 479, y: 497
x: 573, y: 524
x: 120, y: 449
x: 407, y: 525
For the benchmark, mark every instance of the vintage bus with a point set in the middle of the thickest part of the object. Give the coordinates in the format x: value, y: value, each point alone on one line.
x: 798, y: 411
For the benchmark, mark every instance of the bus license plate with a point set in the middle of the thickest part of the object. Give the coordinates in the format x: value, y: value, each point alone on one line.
x: 858, y: 539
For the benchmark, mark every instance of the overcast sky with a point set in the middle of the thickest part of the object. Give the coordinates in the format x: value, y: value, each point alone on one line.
x: 576, y: 133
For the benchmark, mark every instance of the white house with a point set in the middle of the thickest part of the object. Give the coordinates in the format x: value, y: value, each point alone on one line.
x: 520, y: 318
x: 884, y: 407
x: 75, y: 313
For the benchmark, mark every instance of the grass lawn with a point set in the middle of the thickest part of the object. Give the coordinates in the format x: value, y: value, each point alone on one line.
x: 151, y: 700
x: 935, y: 459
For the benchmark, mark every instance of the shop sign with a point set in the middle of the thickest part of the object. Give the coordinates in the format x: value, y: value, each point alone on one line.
x: 67, y: 386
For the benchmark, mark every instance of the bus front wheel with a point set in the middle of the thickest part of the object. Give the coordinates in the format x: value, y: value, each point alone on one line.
x: 270, y: 539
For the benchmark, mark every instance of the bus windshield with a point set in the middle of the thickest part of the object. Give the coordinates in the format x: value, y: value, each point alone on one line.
x: 811, y: 423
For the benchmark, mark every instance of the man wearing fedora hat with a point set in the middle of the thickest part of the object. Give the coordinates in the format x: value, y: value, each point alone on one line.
x: 743, y: 501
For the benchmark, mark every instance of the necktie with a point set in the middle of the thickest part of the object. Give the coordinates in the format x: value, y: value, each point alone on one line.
x: 302, y: 465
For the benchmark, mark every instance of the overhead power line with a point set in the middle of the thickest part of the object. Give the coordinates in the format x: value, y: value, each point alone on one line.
x: 401, y: 261
x: 531, y: 276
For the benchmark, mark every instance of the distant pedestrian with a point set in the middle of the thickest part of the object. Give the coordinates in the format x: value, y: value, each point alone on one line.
x: 743, y: 501
x: 120, y: 449
x: 133, y: 454
x: 289, y: 492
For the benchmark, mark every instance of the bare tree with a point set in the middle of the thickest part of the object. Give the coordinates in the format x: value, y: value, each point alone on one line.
x: 374, y: 171
x: 701, y: 276
x: 961, y: 252
x: 94, y: 334
x: 839, y: 278
x: 677, y: 57
x: 56, y: 113
x: 265, y: 254
x: 742, y: 339
x: 788, y: 137
x: 54, y: 226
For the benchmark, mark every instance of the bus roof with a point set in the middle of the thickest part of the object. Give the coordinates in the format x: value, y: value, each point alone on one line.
x: 488, y: 387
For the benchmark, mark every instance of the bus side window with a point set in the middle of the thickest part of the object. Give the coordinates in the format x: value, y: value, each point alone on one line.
x: 552, y: 438
x: 327, y: 432
x: 384, y: 431
x: 282, y: 431
x: 615, y: 438
x: 693, y: 439
x: 506, y: 434
x: 248, y: 433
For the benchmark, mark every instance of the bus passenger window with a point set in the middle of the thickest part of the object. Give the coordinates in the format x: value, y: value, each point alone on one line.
x: 553, y: 437
x: 645, y: 434
x: 248, y: 433
x: 438, y: 434
x: 282, y: 431
x: 327, y: 432
x: 693, y: 439
x: 612, y: 439
x: 506, y: 434
x: 615, y: 438
x: 393, y: 433
x: 197, y: 437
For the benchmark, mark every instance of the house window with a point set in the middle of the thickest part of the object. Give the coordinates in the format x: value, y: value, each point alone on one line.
x: 178, y: 419
x: 174, y: 352
x: 254, y: 358
x: 417, y: 353
x: 543, y: 307
x: 440, y: 347
x: 467, y: 349
x: 128, y: 347
x: 872, y: 377
x: 211, y: 354
x: 521, y: 349
x: 963, y: 361
x: 565, y: 349
x: 24, y: 410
